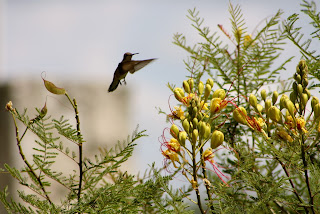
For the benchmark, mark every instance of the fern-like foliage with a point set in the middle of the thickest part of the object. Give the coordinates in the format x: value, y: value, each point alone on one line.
x: 95, y: 186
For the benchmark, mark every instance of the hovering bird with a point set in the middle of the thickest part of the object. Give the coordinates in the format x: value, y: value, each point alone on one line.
x: 125, y: 66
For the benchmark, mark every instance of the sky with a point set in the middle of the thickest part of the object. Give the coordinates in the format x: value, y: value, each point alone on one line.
x: 85, y: 40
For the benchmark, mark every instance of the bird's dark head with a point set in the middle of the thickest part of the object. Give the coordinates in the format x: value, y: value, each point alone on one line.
x: 128, y: 56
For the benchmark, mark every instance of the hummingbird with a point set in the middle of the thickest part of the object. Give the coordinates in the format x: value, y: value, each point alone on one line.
x: 125, y: 66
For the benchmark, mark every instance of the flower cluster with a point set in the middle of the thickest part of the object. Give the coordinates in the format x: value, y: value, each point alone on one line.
x: 290, y: 116
x: 193, y: 135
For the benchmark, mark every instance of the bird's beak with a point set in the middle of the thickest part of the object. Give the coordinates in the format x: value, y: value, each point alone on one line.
x: 135, y: 53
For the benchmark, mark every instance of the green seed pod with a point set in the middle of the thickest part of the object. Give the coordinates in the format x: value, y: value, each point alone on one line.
x: 195, y: 134
x: 200, y: 88
x: 253, y: 101
x: 267, y: 105
x: 186, y: 86
x: 210, y: 82
x: 219, y: 93
x: 207, y: 92
x: 185, y: 125
x: 300, y: 89
x: 174, y: 131
x: 263, y: 95
x: 52, y: 88
x: 182, y: 138
x: 293, y: 97
x: 217, y: 139
x: 275, y: 114
x: 274, y: 97
x: 240, y: 115
x: 314, y: 102
x: 191, y: 83
x: 178, y: 93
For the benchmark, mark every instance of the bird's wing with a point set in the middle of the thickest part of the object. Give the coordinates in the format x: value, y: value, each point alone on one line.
x: 139, y: 64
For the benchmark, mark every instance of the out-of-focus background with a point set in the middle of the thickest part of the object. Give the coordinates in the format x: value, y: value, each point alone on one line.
x: 79, y: 43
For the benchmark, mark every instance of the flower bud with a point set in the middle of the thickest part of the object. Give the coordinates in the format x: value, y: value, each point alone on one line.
x: 259, y: 108
x: 194, y: 111
x: 275, y: 114
x: 297, y: 77
x: 195, y: 122
x: 283, y: 101
x: 217, y: 139
x: 178, y: 93
x: 210, y: 82
x: 186, y: 86
x: 293, y: 97
x: 200, y: 88
x: 267, y: 105
x: 302, y: 68
x: 207, y: 131
x: 304, y: 99
x: 314, y: 102
x: 186, y: 125
x: 207, y: 92
x: 202, y: 128
x: 295, y: 87
x: 290, y: 106
x: 195, y: 134
x: 182, y: 138
x: 263, y: 94
x: 253, y: 101
x: 274, y: 97
x: 174, y: 131
x: 240, y: 115
x: 219, y: 93
x: 300, y: 89
x: 9, y: 106
x: 306, y: 91
x: 305, y: 82
x: 191, y: 83
x: 316, y: 111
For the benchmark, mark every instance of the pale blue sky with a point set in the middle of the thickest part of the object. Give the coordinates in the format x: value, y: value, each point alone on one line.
x: 85, y: 40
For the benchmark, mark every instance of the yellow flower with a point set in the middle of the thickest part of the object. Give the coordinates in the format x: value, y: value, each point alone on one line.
x: 207, y: 154
x: 172, y: 155
x: 289, y: 121
x: 179, y: 113
x: 300, y: 124
x: 282, y: 134
x: 217, y: 105
x: 204, y: 106
x: 186, y: 100
x: 247, y: 39
x: 174, y: 145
